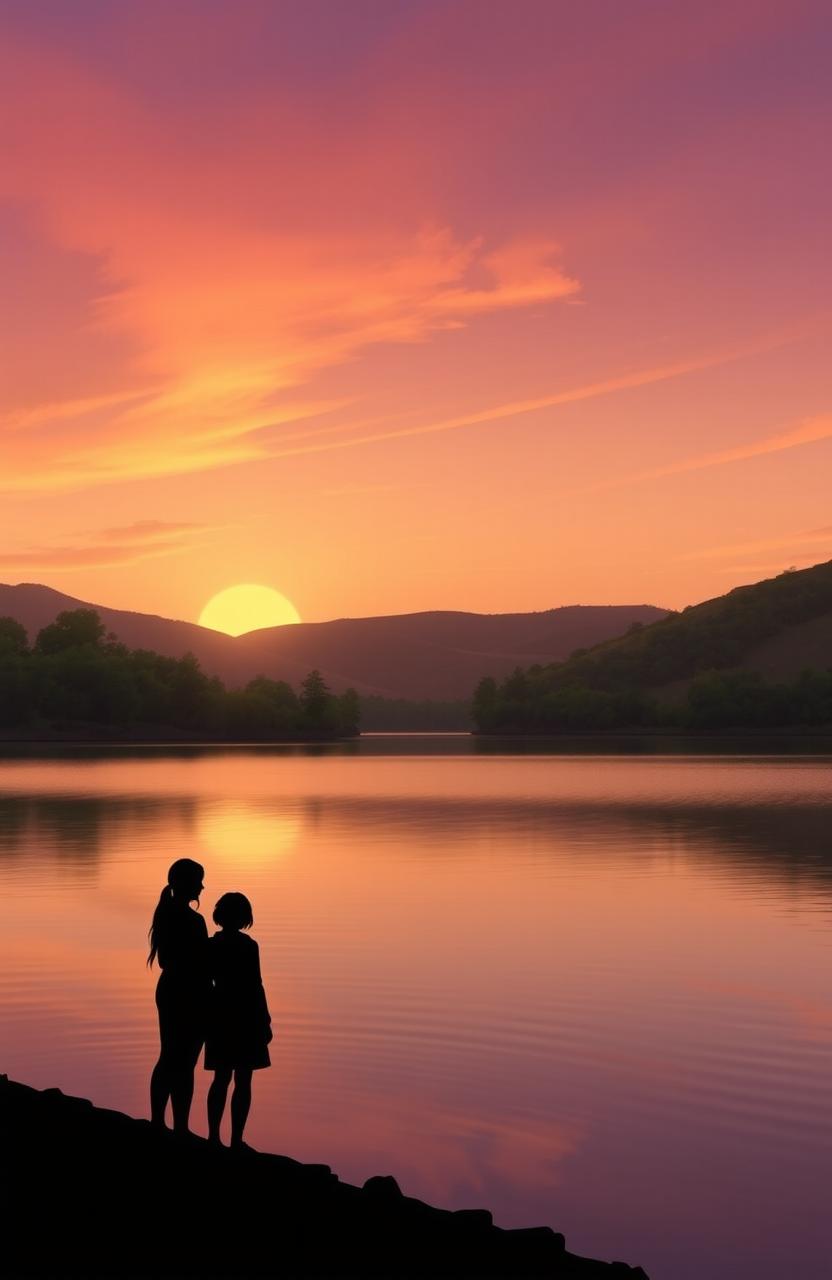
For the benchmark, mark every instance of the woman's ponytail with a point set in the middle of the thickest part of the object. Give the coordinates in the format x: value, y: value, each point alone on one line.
x: 185, y: 880
x: 165, y: 899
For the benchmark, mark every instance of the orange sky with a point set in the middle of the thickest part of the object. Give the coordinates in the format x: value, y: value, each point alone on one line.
x: 412, y: 304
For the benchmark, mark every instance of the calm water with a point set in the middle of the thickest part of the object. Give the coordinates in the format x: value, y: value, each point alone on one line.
x: 589, y: 991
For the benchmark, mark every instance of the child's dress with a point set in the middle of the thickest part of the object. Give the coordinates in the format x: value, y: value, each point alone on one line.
x: 240, y: 1026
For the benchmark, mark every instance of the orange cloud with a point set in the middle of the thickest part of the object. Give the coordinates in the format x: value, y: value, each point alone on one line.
x: 227, y: 308
x: 218, y: 339
x: 573, y: 395
x: 118, y: 545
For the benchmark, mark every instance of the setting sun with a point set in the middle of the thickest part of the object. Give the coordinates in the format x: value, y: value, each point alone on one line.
x: 247, y: 607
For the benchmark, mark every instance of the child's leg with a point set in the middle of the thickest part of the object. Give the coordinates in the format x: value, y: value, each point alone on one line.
x: 216, y: 1102
x: 240, y: 1104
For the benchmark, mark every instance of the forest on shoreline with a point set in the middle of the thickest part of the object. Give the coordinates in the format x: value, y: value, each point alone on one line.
x: 526, y: 703
x: 76, y: 675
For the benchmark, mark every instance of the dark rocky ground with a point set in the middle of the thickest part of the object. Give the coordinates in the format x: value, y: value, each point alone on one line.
x: 89, y: 1193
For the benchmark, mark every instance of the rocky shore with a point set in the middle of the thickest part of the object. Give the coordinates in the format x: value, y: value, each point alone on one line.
x: 90, y: 1194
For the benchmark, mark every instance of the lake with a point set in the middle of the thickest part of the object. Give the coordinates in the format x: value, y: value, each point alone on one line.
x: 585, y: 990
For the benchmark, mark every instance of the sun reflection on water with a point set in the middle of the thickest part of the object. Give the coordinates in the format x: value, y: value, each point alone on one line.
x: 247, y: 836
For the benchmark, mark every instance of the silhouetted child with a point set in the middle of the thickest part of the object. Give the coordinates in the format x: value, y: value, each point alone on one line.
x: 239, y: 1025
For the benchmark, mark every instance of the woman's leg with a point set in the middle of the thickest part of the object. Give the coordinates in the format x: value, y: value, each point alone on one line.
x: 181, y: 1097
x: 217, y: 1094
x: 159, y: 1093
x: 240, y: 1105
x: 161, y: 1078
x: 182, y: 1084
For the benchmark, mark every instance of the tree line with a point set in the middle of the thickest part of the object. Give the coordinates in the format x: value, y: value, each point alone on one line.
x: 76, y: 674
x: 381, y: 714
x: 530, y: 701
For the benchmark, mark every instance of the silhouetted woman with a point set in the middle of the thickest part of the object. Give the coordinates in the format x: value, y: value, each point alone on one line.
x: 240, y: 1027
x: 179, y: 938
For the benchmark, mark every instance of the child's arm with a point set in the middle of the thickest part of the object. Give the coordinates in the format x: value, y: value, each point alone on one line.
x: 263, y: 1008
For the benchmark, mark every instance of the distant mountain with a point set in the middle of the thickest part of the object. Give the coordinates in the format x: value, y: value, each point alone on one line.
x: 439, y: 655
x: 435, y: 655
x: 36, y: 606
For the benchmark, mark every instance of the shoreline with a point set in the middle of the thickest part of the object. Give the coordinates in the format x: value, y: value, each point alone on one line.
x: 650, y: 732
x: 162, y: 737
x: 182, y: 739
x: 94, y: 1193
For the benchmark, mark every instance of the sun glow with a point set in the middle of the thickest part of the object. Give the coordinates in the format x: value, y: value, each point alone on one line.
x: 246, y: 836
x: 247, y: 607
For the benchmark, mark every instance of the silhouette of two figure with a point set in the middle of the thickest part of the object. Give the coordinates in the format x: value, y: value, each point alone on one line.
x: 209, y: 992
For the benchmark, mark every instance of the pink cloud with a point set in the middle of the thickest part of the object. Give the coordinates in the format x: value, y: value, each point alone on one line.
x: 813, y: 431
x: 230, y: 294
x: 142, y: 540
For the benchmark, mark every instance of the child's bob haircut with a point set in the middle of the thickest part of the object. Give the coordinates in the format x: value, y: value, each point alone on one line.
x: 233, y: 911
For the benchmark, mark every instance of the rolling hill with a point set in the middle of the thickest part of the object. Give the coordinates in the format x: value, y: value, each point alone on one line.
x: 776, y: 628
x: 759, y: 656
x: 438, y: 655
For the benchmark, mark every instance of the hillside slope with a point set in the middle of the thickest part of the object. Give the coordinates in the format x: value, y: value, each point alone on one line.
x: 438, y: 655
x: 758, y: 657
x: 776, y: 627
x: 35, y: 606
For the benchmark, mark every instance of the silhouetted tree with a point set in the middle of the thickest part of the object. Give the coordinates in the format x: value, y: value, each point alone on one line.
x: 280, y: 698
x: 349, y: 711
x: 15, y: 673
x: 315, y: 699
x: 485, y: 703
x: 13, y: 637
x: 190, y: 693
x: 71, y: 629
x: 77, y: 675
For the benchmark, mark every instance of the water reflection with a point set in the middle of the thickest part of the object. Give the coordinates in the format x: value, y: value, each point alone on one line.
x: 76, y: 831
x: 591, y: 991
x: 787, y: 840
x: 243, y: 836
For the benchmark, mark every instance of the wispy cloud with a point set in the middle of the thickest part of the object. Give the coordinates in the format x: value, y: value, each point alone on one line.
x: 793, y: 540
x: 235, y: 357
x: 57, y: 411
x: 811, y: 431
x: 517, y: 408
x: 150, y: 531
x: 357, y: 490
x: 228, y: 423
x: 111, y: 546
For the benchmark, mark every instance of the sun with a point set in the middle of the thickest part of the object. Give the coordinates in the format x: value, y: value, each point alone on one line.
x: 247, y: 607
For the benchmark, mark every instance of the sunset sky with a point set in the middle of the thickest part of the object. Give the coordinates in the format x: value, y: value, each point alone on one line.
x: 414, y: 304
